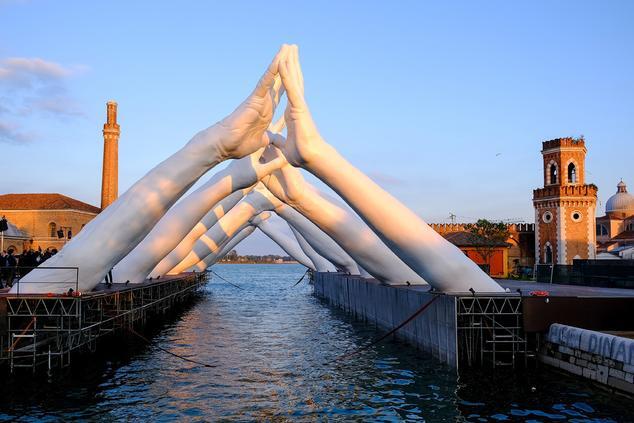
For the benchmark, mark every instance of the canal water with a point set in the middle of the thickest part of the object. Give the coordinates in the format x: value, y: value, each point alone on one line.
x: 273, y: 346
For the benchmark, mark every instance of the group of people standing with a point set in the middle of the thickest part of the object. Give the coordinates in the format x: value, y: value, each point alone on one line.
x: 14, y: 266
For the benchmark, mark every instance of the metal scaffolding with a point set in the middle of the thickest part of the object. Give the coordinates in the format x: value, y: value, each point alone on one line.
x: 44, y: 329
x: 490, y: 330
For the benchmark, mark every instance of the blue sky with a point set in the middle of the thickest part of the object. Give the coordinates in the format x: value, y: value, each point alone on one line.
x: 444, y: 104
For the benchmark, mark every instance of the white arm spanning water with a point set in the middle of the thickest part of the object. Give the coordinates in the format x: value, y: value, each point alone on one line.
x: 442, y: 264
x: 287, y: 244
x: 321, y: 264
x: 317, y: 239
x: 180, y: 219
x: 120, y: 227
x: 257, y: 201
x: 204, y: 264
x: 341, y: 224
x: 185, y: 246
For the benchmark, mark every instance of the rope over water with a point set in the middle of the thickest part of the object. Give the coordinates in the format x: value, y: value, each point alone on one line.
x: 301, y: 279
x: 132, y: 331
x: 229, y: 282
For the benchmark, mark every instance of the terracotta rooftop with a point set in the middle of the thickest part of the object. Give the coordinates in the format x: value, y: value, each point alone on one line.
x: 44, y: 202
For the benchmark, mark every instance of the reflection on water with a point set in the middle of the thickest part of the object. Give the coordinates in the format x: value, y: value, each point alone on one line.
x: 270, y: 343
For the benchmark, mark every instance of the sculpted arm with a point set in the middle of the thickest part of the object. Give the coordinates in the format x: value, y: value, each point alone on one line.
x: 180, y: 219
x: 204, y: 264
x: 118, y: 229
x: 208, y: 221
x: 236, y: 219
x: 321, y: 264
x: 287, y: 244
x: 341, y: 224
x: 442, y: 264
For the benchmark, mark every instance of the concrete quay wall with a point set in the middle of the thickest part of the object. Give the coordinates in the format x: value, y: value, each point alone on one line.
x: 433, y: 331
x: 600, y: 357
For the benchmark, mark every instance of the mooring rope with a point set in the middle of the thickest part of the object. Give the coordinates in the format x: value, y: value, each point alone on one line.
x: 381, y: 338
x: 301, y: 279
x: 171, y: 353
x: 230, y: 283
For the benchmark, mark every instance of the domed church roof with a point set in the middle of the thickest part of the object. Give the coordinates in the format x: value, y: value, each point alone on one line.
x: 621, y: 202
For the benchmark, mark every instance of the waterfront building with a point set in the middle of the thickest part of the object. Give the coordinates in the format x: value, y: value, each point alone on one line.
x: 511, y: 256
x: 615, y: 230
x: 565, y: 206
x: 49, y: 220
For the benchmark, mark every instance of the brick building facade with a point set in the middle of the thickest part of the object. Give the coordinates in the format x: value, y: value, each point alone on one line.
x: 49, y: 220
x: 565, y: 207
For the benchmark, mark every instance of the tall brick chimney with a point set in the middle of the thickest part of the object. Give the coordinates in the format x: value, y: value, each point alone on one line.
x: 110, y: 175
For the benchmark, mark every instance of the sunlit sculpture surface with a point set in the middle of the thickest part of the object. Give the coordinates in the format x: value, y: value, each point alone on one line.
x: 439, y: 262
x: 290, y: 246
x: 181, y: 218
x: 208, y: 221
x: 343, y: 226
x: 393, y: 245
x: 321, y: 264
x: 122, y: 225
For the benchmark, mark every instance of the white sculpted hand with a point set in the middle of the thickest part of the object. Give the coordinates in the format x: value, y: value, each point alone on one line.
x: 250, y: 169
x: 303, y: 144
x: 244, y: 131
x: 287, y: 184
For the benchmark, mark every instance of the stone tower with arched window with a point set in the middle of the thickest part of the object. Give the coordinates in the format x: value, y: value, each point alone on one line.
x: 565, y: 206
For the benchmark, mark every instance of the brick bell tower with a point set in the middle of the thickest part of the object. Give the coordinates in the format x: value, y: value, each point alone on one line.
x: 110, y: 175
x: 565, y: 207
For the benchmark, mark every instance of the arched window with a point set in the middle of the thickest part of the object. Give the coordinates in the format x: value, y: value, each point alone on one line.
x: 602, y: 230
x: 630, y: 226
x: 548, y: 255
x: 572, y: 173
x: 52, y: 229
x: 553, y: 173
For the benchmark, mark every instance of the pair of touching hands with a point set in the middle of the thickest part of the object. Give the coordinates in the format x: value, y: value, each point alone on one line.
x: 248, y: 133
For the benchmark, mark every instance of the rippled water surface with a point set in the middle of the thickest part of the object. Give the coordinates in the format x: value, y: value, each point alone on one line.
x: 272, y: 345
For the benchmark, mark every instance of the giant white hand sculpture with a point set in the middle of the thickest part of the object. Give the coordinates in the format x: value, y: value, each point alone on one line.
x: 212, y: 258
x: 180, y: 219
x: 118, y: 229
x: 341, y: 224
x: 321, y: 264
x: 208, y: 221
x: 226, y: 244
x: 319, y: 241
x: 439, y: 262
x: 286, y: 243
x: 254, y: 203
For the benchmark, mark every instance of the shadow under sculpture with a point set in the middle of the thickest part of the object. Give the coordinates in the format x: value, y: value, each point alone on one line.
x: 186, y: 244
x: 212, y: 258
x: 236, y: 219
x: 121, y: 226
x: 426, y: 252
x: 259, y: 221
x: 321, y: 264
x: 183, y: 216
x: 290, y: 246
x: 226, y: 242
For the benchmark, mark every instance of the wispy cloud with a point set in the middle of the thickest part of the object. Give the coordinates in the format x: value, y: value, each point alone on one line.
x: 34, y: 87
x: 12, y: 133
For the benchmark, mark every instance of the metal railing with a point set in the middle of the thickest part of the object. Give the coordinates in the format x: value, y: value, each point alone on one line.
x: 21, y: 271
